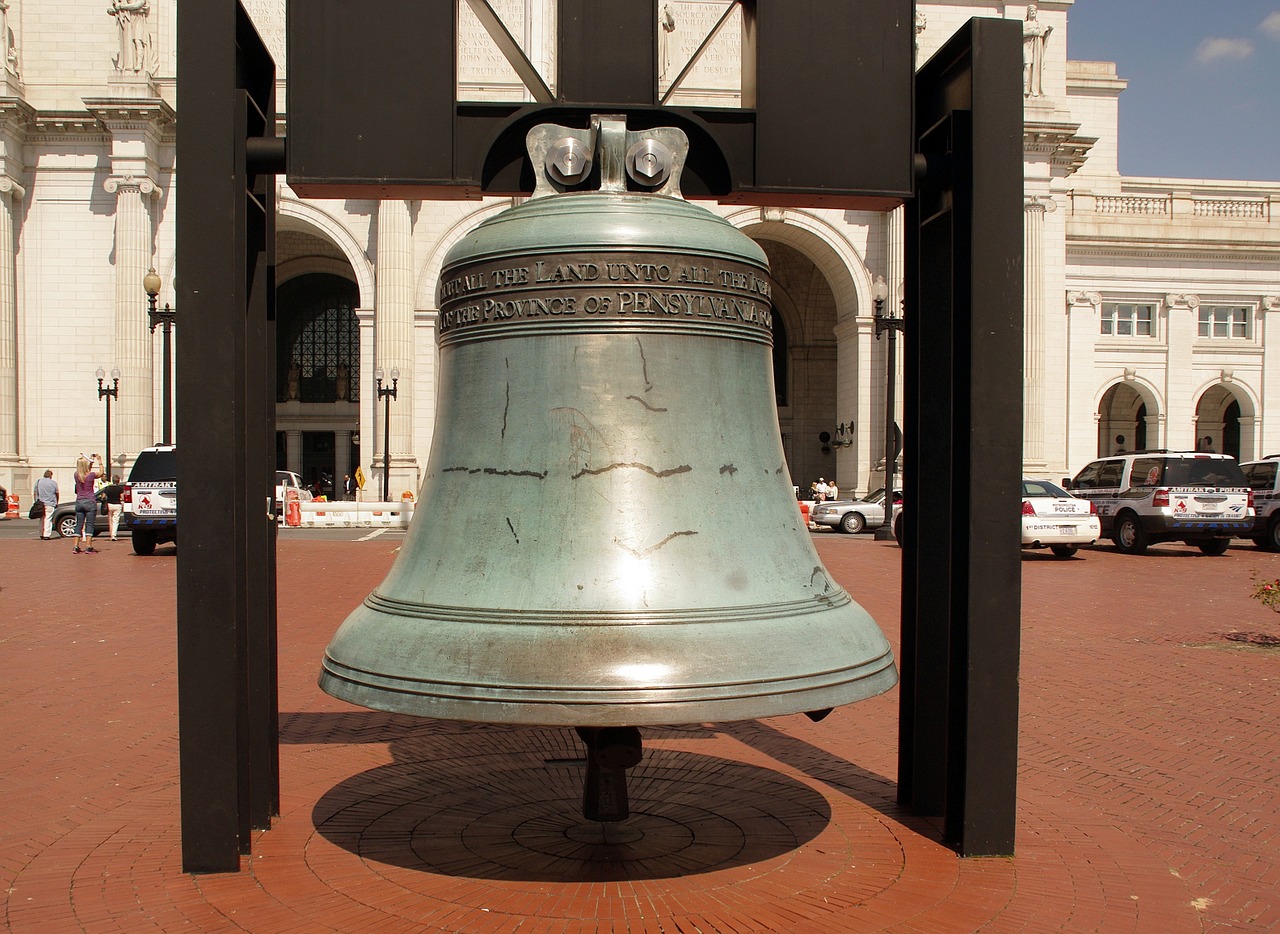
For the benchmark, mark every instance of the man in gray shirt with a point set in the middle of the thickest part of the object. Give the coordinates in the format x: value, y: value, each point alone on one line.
x: 46, y: 491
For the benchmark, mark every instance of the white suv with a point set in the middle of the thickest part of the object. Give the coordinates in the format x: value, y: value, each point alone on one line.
x: 1162, y: 496
x: 150, y: 499
x: 1264, y: 480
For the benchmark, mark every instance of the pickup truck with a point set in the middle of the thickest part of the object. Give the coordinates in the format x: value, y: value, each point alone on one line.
x: 150, y: 499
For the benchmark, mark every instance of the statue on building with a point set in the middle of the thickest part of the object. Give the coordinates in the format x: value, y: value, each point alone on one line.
x: 666, y: 25
x: 1034, y: 36
x: 135, y: 40
x: 8, y: 39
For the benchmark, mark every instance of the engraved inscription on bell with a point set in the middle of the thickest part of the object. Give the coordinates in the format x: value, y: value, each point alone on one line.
x: 609, y: 287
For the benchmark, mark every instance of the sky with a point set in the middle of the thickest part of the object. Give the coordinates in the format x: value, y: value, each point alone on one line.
x: 1203, y: 99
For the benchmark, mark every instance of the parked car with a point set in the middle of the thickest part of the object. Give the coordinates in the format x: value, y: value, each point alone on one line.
x: 1264, y: 480
x: 1052, y: 518
x: 853, y: 515
x: 150, y: 499
x: 64, y: 521
x: 1147, y: 497
x: 288, y: 480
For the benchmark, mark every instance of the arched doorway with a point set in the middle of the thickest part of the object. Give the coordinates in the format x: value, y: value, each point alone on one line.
x: 1218, y: 422
x: 804, y: 361
x: 1125, y: 421
x: 317, y: 379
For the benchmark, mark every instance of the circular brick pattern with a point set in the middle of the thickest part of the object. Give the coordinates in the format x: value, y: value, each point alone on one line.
x: 503, y: 817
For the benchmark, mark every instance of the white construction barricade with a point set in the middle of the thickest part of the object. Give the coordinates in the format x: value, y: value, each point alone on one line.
x: 357, y: 515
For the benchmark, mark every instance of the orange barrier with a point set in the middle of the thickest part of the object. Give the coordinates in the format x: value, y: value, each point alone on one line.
x: 292, y: 509
x: 11, y: 507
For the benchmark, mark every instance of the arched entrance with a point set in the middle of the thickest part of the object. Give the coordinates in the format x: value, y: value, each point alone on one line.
x: 1126, y: 422
x: 804, y: 367
x: 1218, y: 416
x: 317, y: 379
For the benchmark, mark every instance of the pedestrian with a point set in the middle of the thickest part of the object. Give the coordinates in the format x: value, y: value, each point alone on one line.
x: 46, y: 492
x: 86, y: 502
x: 111, y: 495
x: 833, y: 491
x: 821, y: 490
x: 348, y: 487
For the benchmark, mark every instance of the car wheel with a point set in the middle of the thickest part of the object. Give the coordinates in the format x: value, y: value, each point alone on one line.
x: 144, y: 543
x: 67, y: 525
x: 897, y: 528
x: 1214, y: 546
x: 852, y: 523
x: 1129, y: 535
x: 1063, y: 551
x: 1271, y: 541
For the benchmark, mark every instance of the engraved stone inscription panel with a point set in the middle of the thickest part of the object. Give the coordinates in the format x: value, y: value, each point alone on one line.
x: 268, y: 17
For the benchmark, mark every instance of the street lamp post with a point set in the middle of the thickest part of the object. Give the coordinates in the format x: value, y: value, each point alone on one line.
x: 893, y: 324
x: 163, y: 317
x: 108, y: 393
x: 388, y: 394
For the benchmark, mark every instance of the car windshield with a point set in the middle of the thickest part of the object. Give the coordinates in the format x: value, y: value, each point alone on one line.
x: 154, y: 465
x: 1042, y: 488
x: 875, y: 496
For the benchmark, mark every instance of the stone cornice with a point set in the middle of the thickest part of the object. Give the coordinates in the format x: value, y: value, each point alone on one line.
x: 1059, y: 141
x: 123, y: 113
x: 15, y: 113
x: 1163, y: 249
x: 66, y: 125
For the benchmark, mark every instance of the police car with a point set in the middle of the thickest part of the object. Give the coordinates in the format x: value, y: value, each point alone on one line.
x: 150, y: 498
x: 1167, y: 496
x: 1264, y: 480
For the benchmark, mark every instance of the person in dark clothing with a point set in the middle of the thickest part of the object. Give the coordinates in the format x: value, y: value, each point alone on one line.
x: 110, y: 494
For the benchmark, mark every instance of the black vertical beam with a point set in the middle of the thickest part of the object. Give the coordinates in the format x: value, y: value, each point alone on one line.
x: 608, y: 51
x: 961, y: 561
x: 220, y: 450
x: 259, y: 448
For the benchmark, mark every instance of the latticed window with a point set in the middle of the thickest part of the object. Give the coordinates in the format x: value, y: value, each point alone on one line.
x: 317, y: 340
x: 1123, y: 319
x: 1224, y: 321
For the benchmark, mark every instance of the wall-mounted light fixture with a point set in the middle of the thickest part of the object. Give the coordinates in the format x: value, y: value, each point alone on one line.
x: 842, y: 438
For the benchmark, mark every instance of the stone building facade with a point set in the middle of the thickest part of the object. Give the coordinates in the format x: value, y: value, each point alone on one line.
x: 1147, y: 300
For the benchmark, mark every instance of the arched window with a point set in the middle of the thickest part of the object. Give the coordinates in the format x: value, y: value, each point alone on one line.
x: 317, y: 340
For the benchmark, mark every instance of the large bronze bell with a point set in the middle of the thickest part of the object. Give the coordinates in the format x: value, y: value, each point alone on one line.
x: 607, y: 534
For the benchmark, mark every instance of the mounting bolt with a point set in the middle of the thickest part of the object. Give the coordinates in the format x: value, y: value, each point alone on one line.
x: 649, y: 163
x: 568, y: 161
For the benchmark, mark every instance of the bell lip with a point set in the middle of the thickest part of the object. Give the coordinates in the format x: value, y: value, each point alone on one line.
x: 640, y: 707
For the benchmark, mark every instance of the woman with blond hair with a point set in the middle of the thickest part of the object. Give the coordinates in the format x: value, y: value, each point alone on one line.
x: 86, y: 501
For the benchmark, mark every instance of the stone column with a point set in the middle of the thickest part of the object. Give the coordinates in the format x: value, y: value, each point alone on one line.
x: 9, y: 191
x: 1034, y: 209
x: 393, y: 335
x: 341, y: 461
x: 293, y: 451
x: 133, y: 419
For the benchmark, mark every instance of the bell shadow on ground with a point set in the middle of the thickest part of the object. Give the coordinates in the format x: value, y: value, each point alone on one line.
x: 504, y: 803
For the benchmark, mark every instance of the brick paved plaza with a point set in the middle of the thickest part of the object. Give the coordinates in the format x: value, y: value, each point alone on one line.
x: 1150, y: 763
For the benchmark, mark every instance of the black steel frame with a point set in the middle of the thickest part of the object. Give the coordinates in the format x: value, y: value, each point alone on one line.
x: 961, y: 576
x: 961, y: 582
x: 227, y: 698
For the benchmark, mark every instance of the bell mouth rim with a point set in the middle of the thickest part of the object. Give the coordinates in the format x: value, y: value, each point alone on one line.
x: 635, y: 704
